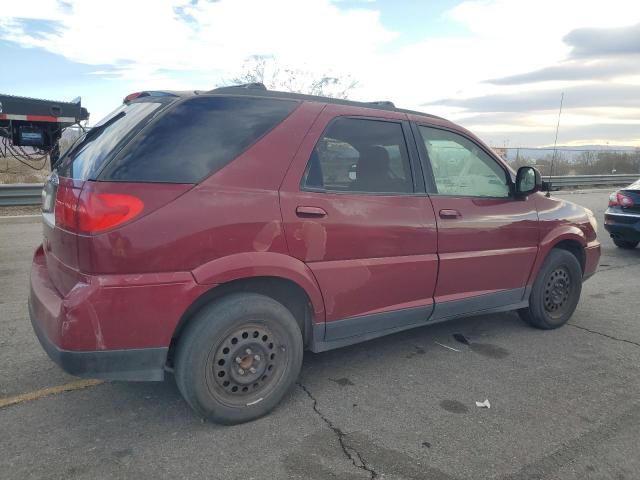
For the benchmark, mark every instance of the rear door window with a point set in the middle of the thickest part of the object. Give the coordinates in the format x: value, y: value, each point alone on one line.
x: 360, y: 155
x: 196, y: 138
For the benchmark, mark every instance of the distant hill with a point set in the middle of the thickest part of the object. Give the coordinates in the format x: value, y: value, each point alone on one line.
x: 568, y: 152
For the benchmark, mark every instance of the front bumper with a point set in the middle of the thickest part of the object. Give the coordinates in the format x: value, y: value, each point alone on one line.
x: 112, y: 327
x: 622, y: 225
x: 592, y: 254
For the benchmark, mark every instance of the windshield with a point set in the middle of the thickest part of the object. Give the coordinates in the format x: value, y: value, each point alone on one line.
x: 87, y: 156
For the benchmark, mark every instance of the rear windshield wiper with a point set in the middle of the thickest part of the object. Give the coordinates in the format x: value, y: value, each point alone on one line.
x: 95, y: 132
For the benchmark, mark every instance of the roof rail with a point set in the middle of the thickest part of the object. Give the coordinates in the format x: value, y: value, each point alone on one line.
x: 383, y: 103
x: 250, y: 86
x: 258, y: 89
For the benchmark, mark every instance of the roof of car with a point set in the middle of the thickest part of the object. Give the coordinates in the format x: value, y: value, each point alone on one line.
x: 259, y: 90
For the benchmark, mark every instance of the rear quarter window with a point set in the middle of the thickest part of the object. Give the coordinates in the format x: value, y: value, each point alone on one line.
x: 196, y: 138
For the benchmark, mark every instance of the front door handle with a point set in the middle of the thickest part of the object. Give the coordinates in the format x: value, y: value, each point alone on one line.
x: 303, y: 211
x: 447, y: 213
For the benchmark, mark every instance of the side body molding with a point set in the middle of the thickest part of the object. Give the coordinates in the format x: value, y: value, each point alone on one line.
x: 263, y: 264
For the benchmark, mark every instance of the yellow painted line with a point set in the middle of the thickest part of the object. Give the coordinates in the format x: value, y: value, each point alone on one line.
x: 46, y: 392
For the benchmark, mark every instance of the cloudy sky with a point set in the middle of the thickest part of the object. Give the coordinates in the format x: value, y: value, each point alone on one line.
x: 497, y: 67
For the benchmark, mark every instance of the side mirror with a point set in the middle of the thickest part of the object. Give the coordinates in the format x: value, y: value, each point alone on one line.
x: 528, y: 181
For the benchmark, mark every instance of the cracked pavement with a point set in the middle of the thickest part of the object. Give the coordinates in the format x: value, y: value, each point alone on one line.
x: 565, y: 404
x: 350, y: 452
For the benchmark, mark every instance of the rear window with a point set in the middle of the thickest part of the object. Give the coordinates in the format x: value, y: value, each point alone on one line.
x: 84, y: 159
x: 196, y: 138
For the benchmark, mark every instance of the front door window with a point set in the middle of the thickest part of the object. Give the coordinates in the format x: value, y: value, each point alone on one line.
x: 461, y: 168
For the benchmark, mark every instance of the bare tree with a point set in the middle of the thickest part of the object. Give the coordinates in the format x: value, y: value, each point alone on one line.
x: 586, y: 162
x: 253, y: 71
x: 266, y: 70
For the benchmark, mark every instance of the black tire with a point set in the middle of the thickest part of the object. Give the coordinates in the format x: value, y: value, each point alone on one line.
x: 624, y: 243
x: 237, y: 359
x: 556, y: 291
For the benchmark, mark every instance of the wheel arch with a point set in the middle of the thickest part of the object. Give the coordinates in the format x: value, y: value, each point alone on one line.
x: 575, y: 248
x: 242, y: 266
x: 278, y: 276
x: 569, y: 238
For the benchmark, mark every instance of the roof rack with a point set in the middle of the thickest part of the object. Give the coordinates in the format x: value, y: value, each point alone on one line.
x: 249, y: 86
x: 383, y: 103
x: 259, y: 89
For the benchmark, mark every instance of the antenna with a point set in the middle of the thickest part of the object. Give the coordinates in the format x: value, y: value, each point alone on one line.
x: 555, y: 143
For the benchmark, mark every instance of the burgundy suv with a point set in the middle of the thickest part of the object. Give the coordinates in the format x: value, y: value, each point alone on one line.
x: 219, y: 234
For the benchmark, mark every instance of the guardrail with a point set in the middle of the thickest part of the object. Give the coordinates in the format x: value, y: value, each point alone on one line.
x: 20, y: 194
x: 586, y: 180
x: 29, y: 193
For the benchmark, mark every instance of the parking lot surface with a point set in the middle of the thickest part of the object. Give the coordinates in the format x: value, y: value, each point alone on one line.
x: 565, y: 404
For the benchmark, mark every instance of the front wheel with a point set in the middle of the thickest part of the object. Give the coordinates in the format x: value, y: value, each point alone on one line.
x: 624, y: 243
x: 238, y: 358
x: 556, y: 291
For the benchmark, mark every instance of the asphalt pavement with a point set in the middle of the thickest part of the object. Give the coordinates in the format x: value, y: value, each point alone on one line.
x: 565, y: 404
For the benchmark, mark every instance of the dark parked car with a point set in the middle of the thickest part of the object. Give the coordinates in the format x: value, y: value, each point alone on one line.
x: 219, y: 234
x: 622, y: 218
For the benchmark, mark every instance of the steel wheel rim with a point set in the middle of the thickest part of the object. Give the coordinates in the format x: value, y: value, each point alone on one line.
x: 246, y: 365
x: 558, y: 291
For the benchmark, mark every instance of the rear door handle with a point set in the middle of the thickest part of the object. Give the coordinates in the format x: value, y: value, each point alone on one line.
x: 450, y: 214
x: 303, y: 211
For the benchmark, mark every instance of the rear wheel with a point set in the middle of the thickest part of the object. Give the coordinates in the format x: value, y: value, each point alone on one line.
x: 556, y: 291
x: 624, y: 243
x: 238, y: 358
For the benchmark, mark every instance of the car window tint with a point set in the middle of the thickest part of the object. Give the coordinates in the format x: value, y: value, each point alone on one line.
x: 88, y: 155
x: 462, y: 168
x: 358, y: 155
x: 196, y: 138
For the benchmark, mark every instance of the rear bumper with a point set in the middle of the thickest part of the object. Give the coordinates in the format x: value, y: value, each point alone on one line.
x: 144, y: 364
x: 625, y: 226
x: 112, y: 327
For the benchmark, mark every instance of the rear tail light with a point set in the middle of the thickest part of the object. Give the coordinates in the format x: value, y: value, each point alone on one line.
x: 93, y: 212
x: 98, y: 212
x: 65, y: 207
x: 618, y: 199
